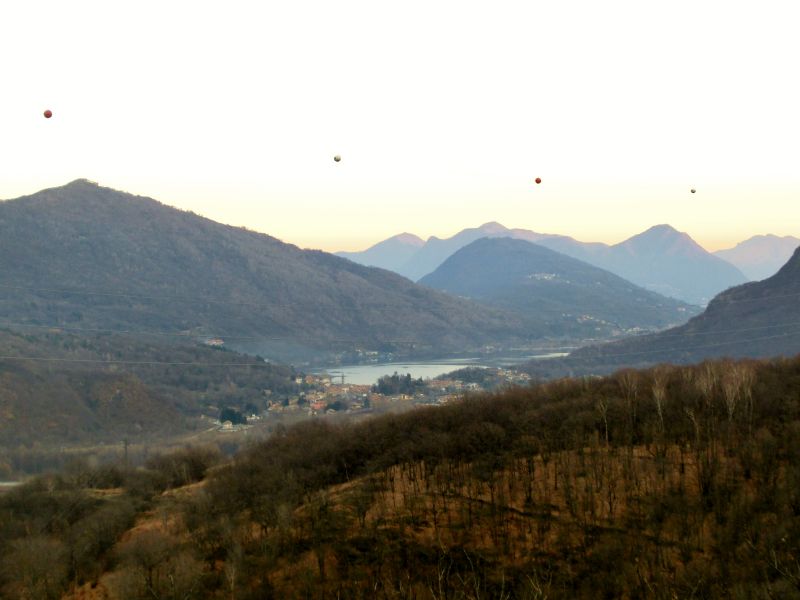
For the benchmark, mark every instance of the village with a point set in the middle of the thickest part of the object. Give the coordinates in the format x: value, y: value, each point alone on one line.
x: 320, y: 394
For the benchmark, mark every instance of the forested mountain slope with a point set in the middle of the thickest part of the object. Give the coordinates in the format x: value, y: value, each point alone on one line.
x: 757, y: 319
x: 59, y: 389
x: 85, y: 255
x: 566, y: 295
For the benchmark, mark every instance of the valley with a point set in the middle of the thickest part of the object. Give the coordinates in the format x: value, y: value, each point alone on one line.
x: 399, y: 301
x: 189, y: 409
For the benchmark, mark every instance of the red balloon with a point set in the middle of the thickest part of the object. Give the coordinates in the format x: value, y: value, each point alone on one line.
x: 48, y: 113
x: 538, y: 180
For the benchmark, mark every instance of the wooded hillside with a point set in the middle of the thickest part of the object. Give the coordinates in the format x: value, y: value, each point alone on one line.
x: 671, y: 482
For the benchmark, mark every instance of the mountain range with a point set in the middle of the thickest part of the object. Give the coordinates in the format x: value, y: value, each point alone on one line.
x: 758, y: 319
x: 86, y: 256
x: 760, y: 256
x: 660, y: 259
x: 90, y: 258
x: 389, y: 254
x: 562, y: 293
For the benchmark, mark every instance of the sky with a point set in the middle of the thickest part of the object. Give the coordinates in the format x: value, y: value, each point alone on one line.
x: 444, y: 112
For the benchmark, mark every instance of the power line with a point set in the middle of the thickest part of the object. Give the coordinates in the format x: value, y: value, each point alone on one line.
x: 133, y: 362
x: 680, y: 333
x: 139, y: 296
x: 297, y: 338
x: 724, y: 301
x: 165, y: 333
x: 69, y: 328
x: 716, y: 345
x: 257, y: 364
x: 184, y: 299
x: 194, y: 300
x: 123, y: 331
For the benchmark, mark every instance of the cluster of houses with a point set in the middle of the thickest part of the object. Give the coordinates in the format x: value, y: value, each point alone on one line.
x: 320, y: 394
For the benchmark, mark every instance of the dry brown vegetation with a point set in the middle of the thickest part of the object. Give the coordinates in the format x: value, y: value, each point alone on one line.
x: 676, y: 482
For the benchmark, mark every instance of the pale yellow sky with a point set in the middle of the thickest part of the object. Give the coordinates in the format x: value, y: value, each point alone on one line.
x: 443, y: 112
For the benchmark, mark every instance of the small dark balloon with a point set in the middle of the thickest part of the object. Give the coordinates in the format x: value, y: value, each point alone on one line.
x: 48, y: 113
x: 337, y: 158
x: 538, y: 180
x: 693, y: 190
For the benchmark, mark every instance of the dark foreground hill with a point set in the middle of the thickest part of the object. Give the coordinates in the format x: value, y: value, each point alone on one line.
x: 564, y: 295
x: 84, y: 255
x: 676, y: 482
x: 758, y: 319
x: 58, y: 389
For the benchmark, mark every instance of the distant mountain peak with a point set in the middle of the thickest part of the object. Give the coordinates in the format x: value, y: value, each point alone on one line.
x: 79, y: 189
x: 663, y: 239
x: 492, y: 227
x: 664, y: 231
x: 761, y: 256
x: 663, y: 227
x: 390, y: 253
x: 408, y: 238
x: 82, y: 181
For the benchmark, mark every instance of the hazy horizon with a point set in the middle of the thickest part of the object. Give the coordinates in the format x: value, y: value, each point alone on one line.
x: 449, y: 232
x: 443, y: 114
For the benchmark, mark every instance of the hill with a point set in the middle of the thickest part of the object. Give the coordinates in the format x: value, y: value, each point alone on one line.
x: 669, y: 483
x: 660, y: 259
x: 436, y: 250
x: 85, y: 255
x: 757, y: 319
x: 760, y: 256
x: 58, y: 389
x: 564, y: 295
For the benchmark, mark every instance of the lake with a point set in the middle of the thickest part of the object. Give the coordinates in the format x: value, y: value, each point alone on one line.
x: 369, y: 374
x: 6, y: 486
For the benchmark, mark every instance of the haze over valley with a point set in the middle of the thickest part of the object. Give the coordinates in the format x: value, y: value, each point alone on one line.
x: 86, y: 257
x: 100, y: 287
x: 91, y: 263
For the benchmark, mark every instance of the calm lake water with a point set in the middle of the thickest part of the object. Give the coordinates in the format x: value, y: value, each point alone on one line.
x: 369, y: 374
